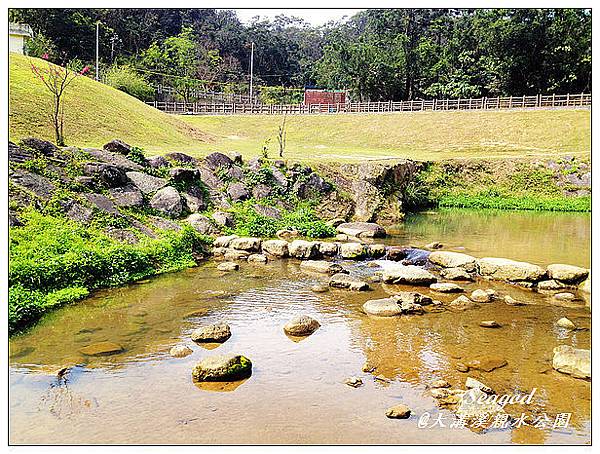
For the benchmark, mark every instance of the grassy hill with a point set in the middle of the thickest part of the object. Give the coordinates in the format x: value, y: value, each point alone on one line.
x: 96, y: 113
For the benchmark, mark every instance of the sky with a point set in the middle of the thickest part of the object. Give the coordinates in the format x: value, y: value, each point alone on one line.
x: 313, y: 16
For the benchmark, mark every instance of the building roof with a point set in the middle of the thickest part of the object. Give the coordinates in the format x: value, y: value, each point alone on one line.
x: 19, y: 29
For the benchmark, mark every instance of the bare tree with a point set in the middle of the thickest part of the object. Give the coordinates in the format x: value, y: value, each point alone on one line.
x: 281, y: 136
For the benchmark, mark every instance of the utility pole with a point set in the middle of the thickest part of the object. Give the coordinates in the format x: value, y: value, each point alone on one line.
x: 97, y: 47
x: 251, y: 69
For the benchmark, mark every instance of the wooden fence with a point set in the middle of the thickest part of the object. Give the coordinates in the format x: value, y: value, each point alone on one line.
x: 510, y: 102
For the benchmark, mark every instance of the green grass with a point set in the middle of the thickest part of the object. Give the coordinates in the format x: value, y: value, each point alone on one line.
x: 483, y: 200
x: 94, y: 114
x: 415, y: 135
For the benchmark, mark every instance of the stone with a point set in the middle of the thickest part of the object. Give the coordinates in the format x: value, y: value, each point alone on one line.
x: 163, y: 224
x: 439, y: 393
x: 210, y: 179
x: 302, y: 249
x: 222, y: 368
x: 106, y: 174
x: 403, y: 303
x: 509, y: 270
x: 490, y: 324
x: 384, y: 307
x: 320, y: 288
x: 456, y: 274
x: 257, y: 258
x: 566, y: 323
x: 287, y: 233
x: 181, y: 158
x: 102, y: 203
x: 167, y: 201
x: 156, y: 162
x: 565, y: 296
x: 329, y: 249
x: 235, y: 254
x: 475, y: 404
x: 567, y: 273
x: 322, y: 266
x: 481, y: 296
x: 462, y: 303
x: 194, y: 199
x: 224, y: 241
x: 238, y: 191
x: 269, y: 212
x: 217, y: 160
x: 361, y: 229
x: 586, y: 286
x: 276, y: 248
x: 400, y: 411
x: 409, y: 274
x: 127, y: 196
x: 573, y: 361
x: 200, y: 223
x: 471, y: 383
x: 114, y: 159
x: 43, y: 146
x: 228, y: 266
x: 551, y: 285
x: 376, y: 250
x: 487, y: 363
x: 148, y: 184
x: 312, y: 186
x: 261, y: 191
x: 447, y: 259
x: 246, y: 244
x: 353, y: 250
x: 354, y: 382
x: 218, y: 332
x: 446, y: 287
x: 236, y: 157
x: 180, y: 351
x: 223, y: 218
x: 441, y: 383
x: 368, y: 367
x: 342, y: 280
x: 462, y: 367
x: 117, y: 146
x: 301, y: 326
x: 102, y: 349
x: 78, y: 212
x: 434, y: 245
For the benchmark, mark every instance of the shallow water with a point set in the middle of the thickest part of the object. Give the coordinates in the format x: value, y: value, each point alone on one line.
x: 296, y: 393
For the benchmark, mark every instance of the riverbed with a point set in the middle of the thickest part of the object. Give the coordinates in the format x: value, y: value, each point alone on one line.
x: 296, y: 393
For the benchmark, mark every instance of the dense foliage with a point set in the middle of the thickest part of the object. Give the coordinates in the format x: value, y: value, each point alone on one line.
x: 387, y: 54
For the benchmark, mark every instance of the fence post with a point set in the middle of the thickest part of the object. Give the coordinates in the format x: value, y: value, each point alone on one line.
x: 553, y: 98
x: 567, y: 100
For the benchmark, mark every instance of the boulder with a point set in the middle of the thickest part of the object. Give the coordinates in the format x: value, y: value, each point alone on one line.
x: 156, y: 162
x: 456, y: 274
x: 512, y: 302
x: 106, y: 174
x: 328, y: 249
x: 195, y: 199
x: 43, y: 146
x: 342, y: 280
x: 246, y: 244
x: 222, y: 368
x: 462, y: 303
x: 322, y: 266
x: 210, y: 179
x: 261, y: 191
x: 223, y: 218
x: 217, y: 160
x: 447, y: 259
x: 320, y: 288
x: 551, y: 284
x: 200, y: 223
x: 114, y: 159
x: 257, y: 258
x: 311, y: 187
x: 148, y: 184
x: 228, y: 266
x: 234, y: 254
x: 565, y: 296
x: 446, y: 287
x: 287, y: 233
x: 573, y: 361
x: 376, y: 250
x: 433, y: 246
x: 400, y: 411
x: 180, y: 351
x: 102, y: 349
x: 300, y: 326
x: 127, y: 196
x: 224, y: 241
x: 409, y: 274
x: 167, y: 201
x: 269, y: 212
x: 384, y: 307
x: 490, y: 324
x: 441, y: 383
x: 102, y: 203
x: 117, y: 146
x: 566, y: 324
x: 181, y: 158
x: 509, y: 270
x: 276, y: 248
x: 302, y: 249
x: 353, y: 250
x: 567, y: 273
x: 163, y: 224
x: 482, y: 296
x: 361, y: 229
x: 218, y: 332
x: 472, y: 383
x: 238, y: 191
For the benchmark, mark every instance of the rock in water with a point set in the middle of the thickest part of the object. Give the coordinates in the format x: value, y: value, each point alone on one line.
x: 249, y: 244
x: 567, y: 273
x: 300, y: 326
x: 462, y: 303
x: 573, y: 361
x: 322, y: 266
x: 475, y: 404
x: 302, y: 249
x: 228, y: 266
x: 355, y: 382
x: 180, y: 351
x: 320, y: 288
x: 565, y: 323
x: 222, y: 368
x: 362, y: 229
x: 471, y: 383
x: 487, y: 363
x: 353, y: 250
x: 276, y: 248
x: 400, y: 411
x: 409, y: 274
x: 456, y: 274
x: 341, y: 280
x: 385, y: 307
x: 509, y: 270
x: 441, y: 383
x: 447, y: 259
x: 482, y: 296
x: 446, y: 287
x: 218, y: 332
x: 257, y: 258
x: 102, y: 349
x: 490, y: 324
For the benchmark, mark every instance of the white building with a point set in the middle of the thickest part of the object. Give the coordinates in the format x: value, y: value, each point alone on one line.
x: 17, y: 35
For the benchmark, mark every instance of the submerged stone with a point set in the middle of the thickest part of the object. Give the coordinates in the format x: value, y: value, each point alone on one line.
x: 573, y: 361
x: 222, y: 368
x: 228, y: 266
x: 218, y: 332
x: 409, y: 274
x: 446, y: 287
x: 342, y: 280
x: 102, y: 349
x: 400, y: 411
x: 302, y: 325
x: 565, y: 323
x: 322, y: 266
x: 487, y: 363
x: 180, y: 351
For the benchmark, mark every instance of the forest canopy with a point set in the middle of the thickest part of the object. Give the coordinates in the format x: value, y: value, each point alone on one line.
x: 377, y: 55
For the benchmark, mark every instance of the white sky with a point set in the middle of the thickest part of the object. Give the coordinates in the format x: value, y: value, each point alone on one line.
x: 313, y: 16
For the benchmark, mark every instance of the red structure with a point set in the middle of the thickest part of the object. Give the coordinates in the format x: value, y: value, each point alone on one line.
x: 314, y: 96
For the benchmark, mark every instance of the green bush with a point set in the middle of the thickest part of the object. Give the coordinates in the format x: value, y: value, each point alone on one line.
x: 126, y: 79
x: 24, y: 307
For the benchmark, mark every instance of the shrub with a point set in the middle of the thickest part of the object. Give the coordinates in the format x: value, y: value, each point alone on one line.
x: 24, y: 307
x: 126, y: 79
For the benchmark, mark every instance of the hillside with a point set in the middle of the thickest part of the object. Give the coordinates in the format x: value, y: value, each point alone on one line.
x: 94, y: 114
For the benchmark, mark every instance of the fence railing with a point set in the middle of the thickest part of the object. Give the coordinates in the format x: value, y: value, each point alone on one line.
x: 509, y: 102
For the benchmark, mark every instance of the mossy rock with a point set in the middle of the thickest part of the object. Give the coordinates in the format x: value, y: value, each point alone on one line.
x: 222, y: 368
